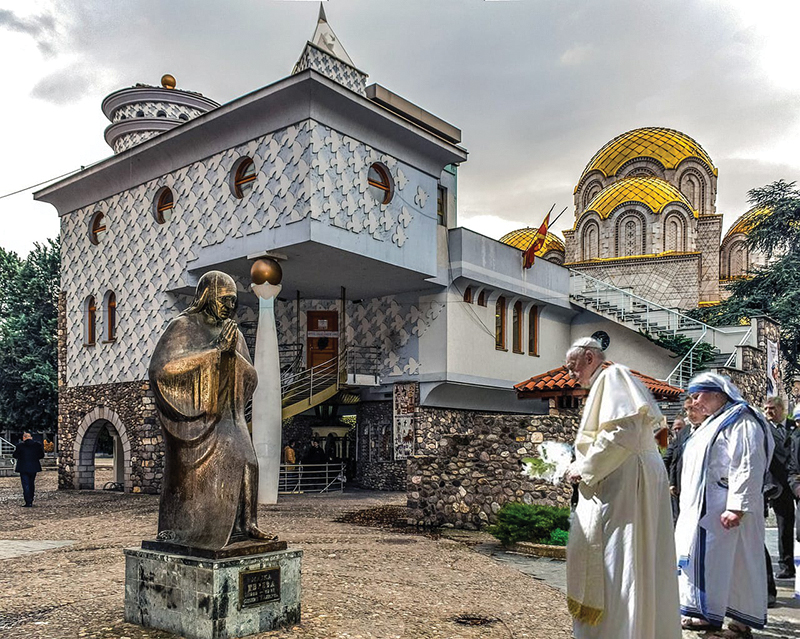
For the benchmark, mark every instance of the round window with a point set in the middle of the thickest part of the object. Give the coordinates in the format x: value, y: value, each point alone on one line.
x: 380, y: 183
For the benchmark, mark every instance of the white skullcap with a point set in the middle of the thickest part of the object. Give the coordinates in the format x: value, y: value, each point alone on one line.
x: 587, y: 342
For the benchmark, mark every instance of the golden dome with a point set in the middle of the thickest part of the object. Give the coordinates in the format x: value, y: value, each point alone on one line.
x: 168, y: 81
x: 654, y: 193
x: 667, y: 146
x: 522, y: 238
x: 747, y: 221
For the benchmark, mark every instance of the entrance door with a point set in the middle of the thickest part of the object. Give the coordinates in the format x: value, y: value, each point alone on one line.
x: 323, y: 336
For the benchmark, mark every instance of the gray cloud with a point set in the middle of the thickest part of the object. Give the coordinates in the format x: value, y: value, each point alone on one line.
x: 40, y: 28
x: 63, y: 86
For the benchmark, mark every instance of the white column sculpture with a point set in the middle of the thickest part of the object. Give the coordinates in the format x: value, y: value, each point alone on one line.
x: 267, y: 396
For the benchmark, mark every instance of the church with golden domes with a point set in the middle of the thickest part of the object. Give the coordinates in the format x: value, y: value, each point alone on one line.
x: 646, y: 221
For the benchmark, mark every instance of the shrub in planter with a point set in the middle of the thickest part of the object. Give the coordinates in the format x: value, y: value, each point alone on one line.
x: 531, y: 522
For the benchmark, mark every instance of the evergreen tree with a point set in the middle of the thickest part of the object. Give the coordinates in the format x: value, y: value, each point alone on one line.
x: 773, y: 290
x: 28, y: 338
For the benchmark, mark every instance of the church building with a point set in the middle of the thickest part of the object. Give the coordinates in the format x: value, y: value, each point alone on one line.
x: 646, y: 220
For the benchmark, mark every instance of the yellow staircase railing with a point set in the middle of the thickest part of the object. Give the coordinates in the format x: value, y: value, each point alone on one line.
x: 308, y: 388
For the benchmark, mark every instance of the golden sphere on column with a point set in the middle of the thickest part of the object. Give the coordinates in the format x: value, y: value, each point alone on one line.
x: 266, y: 270
x: 168, y: 81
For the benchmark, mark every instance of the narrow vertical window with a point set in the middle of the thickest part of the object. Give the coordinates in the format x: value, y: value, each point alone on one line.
x: 468, y: 295
x: 111, y: 317
x: 500, y: 323
x: 482, y: 298
x: 90, y: 321
x: 97, y: 226
x: 533, y: 331
x: 441, y: 205
x: 244, y: 178
x: 516, y: 328
x: 165, y: 202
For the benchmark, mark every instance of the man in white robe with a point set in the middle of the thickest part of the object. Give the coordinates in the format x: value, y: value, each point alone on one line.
x: 719, y: 536
x: 621, y: 581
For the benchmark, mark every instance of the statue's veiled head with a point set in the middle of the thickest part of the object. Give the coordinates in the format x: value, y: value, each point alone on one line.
x: 215, y: 296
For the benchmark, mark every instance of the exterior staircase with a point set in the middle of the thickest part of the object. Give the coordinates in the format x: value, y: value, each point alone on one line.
x: 624, y: 307
x: 303, y: 389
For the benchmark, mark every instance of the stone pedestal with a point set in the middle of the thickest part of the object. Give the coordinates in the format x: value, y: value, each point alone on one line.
x: 212, y: 598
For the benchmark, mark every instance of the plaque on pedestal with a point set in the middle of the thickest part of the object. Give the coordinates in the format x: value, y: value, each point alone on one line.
x: 202, y: 598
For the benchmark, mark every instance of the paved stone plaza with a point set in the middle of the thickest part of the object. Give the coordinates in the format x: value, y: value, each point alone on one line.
x: 358, y: 582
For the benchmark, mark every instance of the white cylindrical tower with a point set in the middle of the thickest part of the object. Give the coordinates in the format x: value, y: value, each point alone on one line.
x: 142, y: 112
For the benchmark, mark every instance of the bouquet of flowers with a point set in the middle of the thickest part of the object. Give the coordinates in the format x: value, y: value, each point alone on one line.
x: 551, y: 464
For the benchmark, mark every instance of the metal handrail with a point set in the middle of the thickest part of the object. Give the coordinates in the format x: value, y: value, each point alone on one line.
x: 645, y: 302
x: 676, y: 321
x: 731, y: 361
x: 291, y: 359
x: 305, y: 384
x: 6, y: 447
x: 311, y: 478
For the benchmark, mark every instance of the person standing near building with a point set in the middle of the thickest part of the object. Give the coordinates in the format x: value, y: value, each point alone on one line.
x: 621, y: 579
x: 28, y: 453
x: 680, y: 431
x: 719, y: 536
x: 783, y: 503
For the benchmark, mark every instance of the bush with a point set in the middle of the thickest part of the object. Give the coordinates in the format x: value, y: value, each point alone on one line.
x: 559, y: 537
x: 530, y: 522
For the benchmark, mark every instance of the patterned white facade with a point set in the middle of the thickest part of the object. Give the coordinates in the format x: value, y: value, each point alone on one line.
x: 304, y: 172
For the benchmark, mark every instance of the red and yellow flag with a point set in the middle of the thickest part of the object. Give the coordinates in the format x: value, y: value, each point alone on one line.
x: 536, y: 243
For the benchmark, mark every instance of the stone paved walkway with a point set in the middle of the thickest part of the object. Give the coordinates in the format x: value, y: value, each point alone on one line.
x: 358, y: 582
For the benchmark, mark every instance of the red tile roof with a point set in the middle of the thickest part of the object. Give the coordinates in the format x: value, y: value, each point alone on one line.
x: 558, y: 382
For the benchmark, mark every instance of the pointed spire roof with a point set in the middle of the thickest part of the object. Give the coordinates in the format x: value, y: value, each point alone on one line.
x: 326, y: 39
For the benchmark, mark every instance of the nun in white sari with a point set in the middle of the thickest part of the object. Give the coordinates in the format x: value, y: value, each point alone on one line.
x: 719, y: 536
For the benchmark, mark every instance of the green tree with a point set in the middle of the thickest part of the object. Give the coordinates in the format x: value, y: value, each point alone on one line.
x: 28, y: 338
x: 773, y: 290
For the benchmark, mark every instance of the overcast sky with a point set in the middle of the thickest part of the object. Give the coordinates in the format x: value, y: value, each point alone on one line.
x: 537, y: 87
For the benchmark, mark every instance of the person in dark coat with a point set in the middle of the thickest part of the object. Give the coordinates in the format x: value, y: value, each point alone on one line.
x: 794, y: 470
x: 671, y: 460
x: 28, y: 453
x: 783, y: 503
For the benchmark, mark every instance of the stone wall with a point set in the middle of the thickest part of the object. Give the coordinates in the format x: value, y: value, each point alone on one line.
x: 751, y: 380
x: 673, y: 281
x: 132, y: 403
x: 469, y: 464
x: 709, y: 236
x: 376, y: 467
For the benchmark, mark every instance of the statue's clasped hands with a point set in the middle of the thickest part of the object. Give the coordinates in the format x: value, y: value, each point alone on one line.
x: 228, y: 337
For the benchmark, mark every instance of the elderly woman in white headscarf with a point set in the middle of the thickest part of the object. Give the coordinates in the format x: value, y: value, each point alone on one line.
x: 719, y: 536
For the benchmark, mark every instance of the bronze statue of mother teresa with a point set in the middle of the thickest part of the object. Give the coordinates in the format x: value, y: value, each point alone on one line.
x: 202, y: 378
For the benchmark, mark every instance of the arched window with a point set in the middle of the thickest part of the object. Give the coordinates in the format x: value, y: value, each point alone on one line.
x: 500, y: 324
x: 380, y: 184
x: 692, y: 186
x: 97, y: 226
x: 592, y: 189
x: 482, y: 298
x: 591, y: 241
x: 674, y: 234
x: 163, y: 205
x: 533, y: 331
x: 468, y: 295
x: 111, y: 316
x: 90, y: 321
x: 516, y: 328
x: 244, y: 177
x: 630, y: 238
x: 737, y: 260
